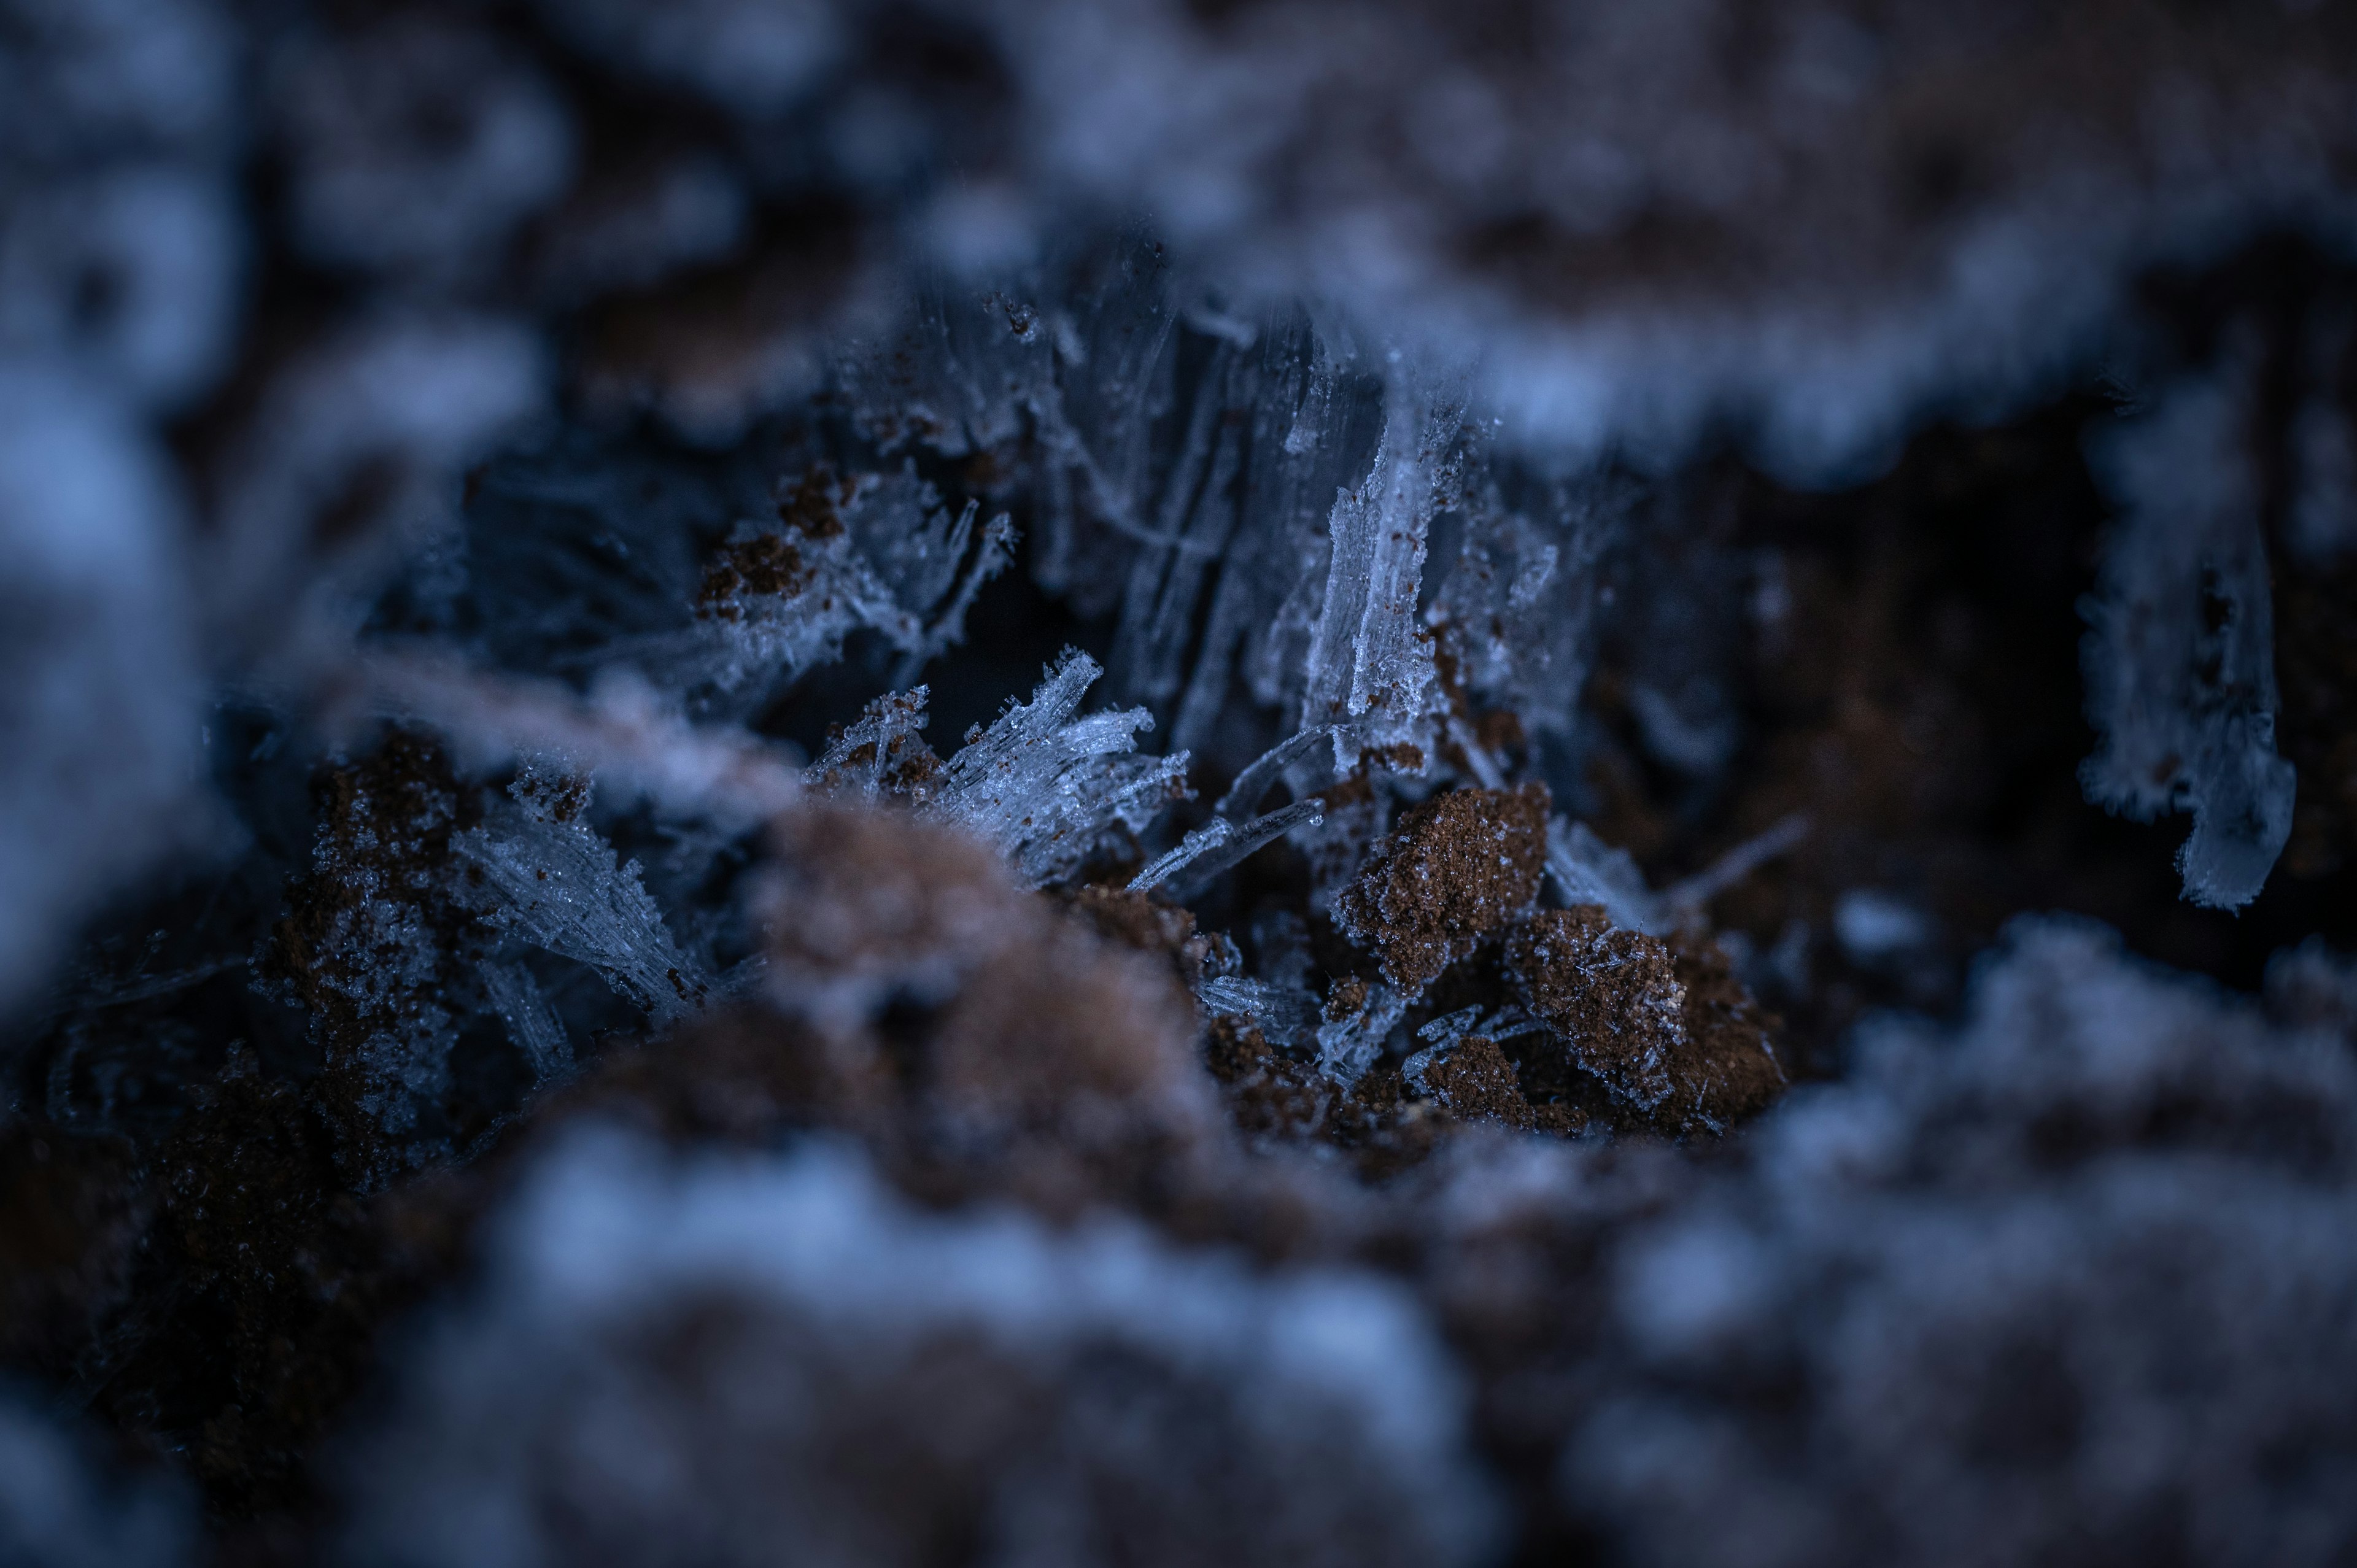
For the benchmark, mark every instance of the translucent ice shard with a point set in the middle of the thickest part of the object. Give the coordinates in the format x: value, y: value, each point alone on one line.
x: 1370, y: 659
x: 2180, y: 655
x: 1349, y: 1046
x: 1217, y: 845
x: 1516, y: 608
x: 1286, y: 1015
x: 1586, y: 870
x: 531, y: 1024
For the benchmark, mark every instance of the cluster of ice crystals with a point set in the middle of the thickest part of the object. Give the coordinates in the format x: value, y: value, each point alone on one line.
x: 1050, y: 789
x: 883, y: 752
x: 873, y: 551
x: 2180, y: 659
x: 773, y: 1359
x: 550, y: 879
x: 1050, y: 792
x: 1349, y: 1046
x: 1999, y: 1295
x: 1518, y: 601
x: 1446, y: 1033
x: 1286, y: 1013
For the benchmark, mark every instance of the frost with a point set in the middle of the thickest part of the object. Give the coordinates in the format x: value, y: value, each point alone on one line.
x: 1253, y: 782
x: 2180, y: 654
x: 1446, y: 1033
x: 56, y: 1511
x: 696, y: 1355
x: 1349, y: 1046
x: 417, y: 145
x: 132, y: 275
x: 1586, y: 870
x: 1874, y: 927
x: 1051, y: 790
x: 1185, y: 538
x: 882, y: 753
x: 2011, y: 1299
x: 98, y: 667
x: 548, y: 878
x: 79, y: 75
x: 1286, y: 1015
x: 756, y: 58
x: 878, y: 553
x: 1517, y: 604
x: 623, y: 386
x: 1216, y: 847
x: 369, y: 422
x: 1368, y: 661
x: 531, y: 1024
x: 625, y: 733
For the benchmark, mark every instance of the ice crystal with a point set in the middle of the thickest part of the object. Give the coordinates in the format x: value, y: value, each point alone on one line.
x: 1369, y: 664
x: 1217, y: 846
x: 1286, y: 1013
x: 415, y: 418
x: 868, y: 552
x: 531, y: 1024
x: 2180, y: 662
x: 1051, y: 790
x: 1349, y: 1044
x: 1517, y: 602
x: 1444, y: 1034
x: 883, y: 752
x: 550, y: 879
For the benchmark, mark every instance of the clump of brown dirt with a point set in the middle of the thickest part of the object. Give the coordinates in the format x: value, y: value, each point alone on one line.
x: 1141, y: 922
x: 764, y: 566
x: 1269, y: 1093
x: 1668, y: 1029
x: 1457, y: 869
x: 1476, y: 1082
x: 1025, y: 1051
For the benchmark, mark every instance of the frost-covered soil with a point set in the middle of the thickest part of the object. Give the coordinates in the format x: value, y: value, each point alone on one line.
x: 1116, y: 783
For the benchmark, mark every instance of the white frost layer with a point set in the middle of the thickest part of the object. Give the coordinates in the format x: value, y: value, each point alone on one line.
x: 707, y: 1349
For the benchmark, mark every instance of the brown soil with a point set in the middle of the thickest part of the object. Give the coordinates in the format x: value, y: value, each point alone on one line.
x: 1667, y: 1029
x: 1457, y: 869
